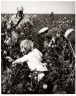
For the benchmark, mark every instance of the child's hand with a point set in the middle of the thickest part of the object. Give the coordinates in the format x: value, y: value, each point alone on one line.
x: 13, y: 64
x: 9, y: 59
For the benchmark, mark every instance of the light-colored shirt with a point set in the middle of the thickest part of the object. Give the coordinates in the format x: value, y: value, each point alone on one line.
x: 15, y: 18
x: 34, y: 60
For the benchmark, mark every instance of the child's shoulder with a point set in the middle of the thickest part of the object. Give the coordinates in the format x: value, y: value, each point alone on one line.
x: 36, y: 51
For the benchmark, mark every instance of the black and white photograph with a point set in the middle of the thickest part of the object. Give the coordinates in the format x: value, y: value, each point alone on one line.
x: 37, y: 47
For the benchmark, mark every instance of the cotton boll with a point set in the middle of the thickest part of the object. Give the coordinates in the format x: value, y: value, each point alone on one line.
x: 45, y: 86
x: 22, y: 33
x: 34, y: 16
x: 5, y: 52
x: 64, y: 17
x: 52, y: 46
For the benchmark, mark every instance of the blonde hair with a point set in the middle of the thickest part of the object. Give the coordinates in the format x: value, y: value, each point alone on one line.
x: 27, y: 45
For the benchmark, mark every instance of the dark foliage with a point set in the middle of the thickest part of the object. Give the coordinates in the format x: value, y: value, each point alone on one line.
x: 60, y: 79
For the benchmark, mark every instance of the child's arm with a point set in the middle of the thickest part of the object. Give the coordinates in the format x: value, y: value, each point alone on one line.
x: 20, y: 60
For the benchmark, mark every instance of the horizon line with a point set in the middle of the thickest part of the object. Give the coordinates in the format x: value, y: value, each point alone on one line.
x: 40, y: 13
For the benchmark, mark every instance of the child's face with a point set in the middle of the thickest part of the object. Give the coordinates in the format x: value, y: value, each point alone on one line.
x: 26, y: 46
x: 23, y: 50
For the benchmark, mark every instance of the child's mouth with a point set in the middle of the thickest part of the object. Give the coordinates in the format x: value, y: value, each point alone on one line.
x: 23, y: 53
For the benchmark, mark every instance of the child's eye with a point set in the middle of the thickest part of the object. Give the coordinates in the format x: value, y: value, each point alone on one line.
x: 25, y: 48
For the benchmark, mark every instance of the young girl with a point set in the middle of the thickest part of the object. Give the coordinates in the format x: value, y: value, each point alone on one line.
x: 33, y: 57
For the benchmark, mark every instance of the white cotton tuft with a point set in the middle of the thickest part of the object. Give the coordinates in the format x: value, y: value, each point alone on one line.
x: 40, y: 76
x: 45, y: 86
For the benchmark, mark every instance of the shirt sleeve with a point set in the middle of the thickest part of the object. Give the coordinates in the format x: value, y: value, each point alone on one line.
x: 22, y: 59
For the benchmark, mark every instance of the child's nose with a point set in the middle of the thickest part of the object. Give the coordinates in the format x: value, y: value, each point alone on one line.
x: 22, y: 50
